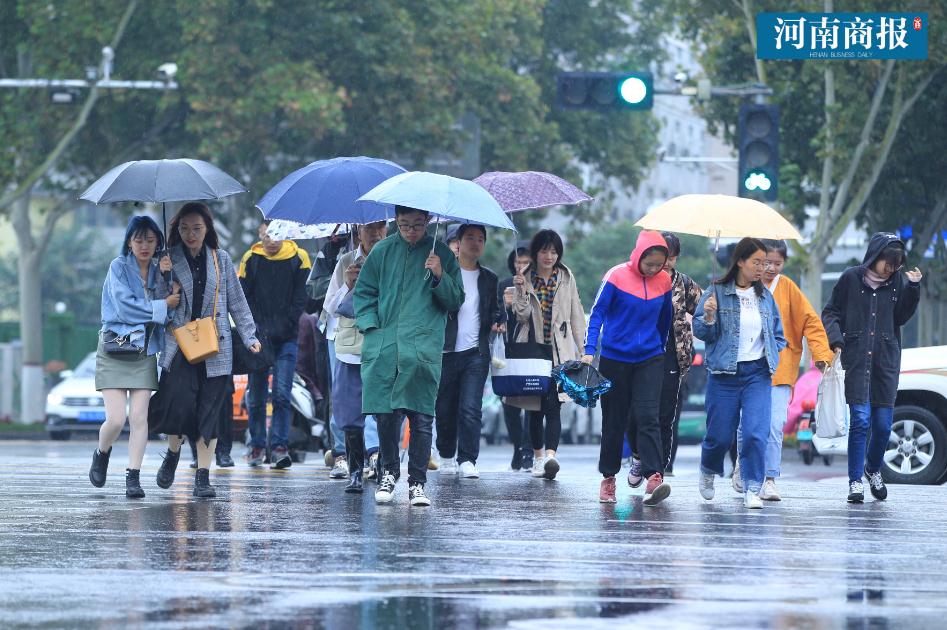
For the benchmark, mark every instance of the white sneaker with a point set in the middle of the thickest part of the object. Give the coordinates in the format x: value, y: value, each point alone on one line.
x: 769, y: 492
x: 706, y: 486
x: 537, y: 470
x: 417, y: 496
x: 448, y: 466
x: 736, y: 480
x: 468, y: 470
x: 386, y: 489
x: 752, y: 501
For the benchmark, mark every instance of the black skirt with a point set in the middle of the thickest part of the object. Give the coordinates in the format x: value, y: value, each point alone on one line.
x: 188, y: 403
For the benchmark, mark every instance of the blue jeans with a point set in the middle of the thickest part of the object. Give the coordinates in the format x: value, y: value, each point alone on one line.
x: 257, y: 387
x: 781, y: 395
x: 728, y: 396
x: 459, y: 407
x: 871, y: 425
x: 338, y: 436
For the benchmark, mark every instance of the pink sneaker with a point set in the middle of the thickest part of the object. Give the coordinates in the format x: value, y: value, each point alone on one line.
x: 657, y: 490
x: 606, y: 492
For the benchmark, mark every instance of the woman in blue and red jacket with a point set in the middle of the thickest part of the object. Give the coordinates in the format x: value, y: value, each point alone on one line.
x: 631, y: 317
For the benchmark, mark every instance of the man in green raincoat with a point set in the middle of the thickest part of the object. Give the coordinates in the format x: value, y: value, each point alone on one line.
x: 403, y: 295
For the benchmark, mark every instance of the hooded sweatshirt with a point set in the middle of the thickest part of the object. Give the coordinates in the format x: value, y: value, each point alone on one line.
x: 275, y: 287
x: 632, y: 313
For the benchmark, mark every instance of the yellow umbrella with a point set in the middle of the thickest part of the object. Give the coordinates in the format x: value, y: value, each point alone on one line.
x: 719, y: 216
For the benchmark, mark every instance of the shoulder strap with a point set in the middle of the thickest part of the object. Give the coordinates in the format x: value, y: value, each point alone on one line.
x: 216, y: 286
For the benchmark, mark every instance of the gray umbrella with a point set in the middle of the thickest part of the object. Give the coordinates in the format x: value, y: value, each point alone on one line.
x: 160, y: 181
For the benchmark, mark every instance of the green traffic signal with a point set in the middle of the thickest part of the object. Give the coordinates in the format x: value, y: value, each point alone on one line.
x: 757, y: 180
x: 605, y: 91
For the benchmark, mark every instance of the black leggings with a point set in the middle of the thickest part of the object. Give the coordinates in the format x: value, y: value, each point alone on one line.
x: 551, y: 411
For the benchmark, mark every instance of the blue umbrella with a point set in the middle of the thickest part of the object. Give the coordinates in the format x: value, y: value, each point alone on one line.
x: 328, y: 191
x: 443, y: 196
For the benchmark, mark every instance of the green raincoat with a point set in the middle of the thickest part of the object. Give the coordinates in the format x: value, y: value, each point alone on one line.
x: 403, y: 317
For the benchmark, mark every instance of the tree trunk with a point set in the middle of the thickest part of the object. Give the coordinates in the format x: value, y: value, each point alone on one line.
x: 32, y: 390
x: 812, y: 281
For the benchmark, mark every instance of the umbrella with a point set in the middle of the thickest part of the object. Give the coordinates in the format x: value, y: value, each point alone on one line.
x: 281, y: 229
x: 329, y: 191
x: 581, y: 382
x: 529, y: 190
x: 160, y: 181
x: 719, y: 216
x: 442, y: 196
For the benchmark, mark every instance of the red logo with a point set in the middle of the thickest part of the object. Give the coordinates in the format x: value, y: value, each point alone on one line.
x: 917, y: 24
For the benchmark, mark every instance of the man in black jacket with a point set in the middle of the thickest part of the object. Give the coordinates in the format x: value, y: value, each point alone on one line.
x: 273, y: 274
x: 466, y: 359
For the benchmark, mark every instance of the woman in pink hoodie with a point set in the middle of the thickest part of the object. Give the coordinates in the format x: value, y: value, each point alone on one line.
x: 631, y: 318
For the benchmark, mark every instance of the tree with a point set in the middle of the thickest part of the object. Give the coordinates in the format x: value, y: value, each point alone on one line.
x: 840, y: 119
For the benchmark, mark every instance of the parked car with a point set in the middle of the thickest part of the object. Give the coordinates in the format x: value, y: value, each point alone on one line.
x: 917, y: 446
x: 693, y: 422
x: 73, y: 404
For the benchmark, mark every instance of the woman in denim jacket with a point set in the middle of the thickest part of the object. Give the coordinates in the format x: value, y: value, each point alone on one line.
x: 744, y: 337
x: 135, y: 304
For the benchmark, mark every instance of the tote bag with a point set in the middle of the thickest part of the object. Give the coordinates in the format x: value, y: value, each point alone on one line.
x: 524, y: 369
x: 198, y: 339
x: 831, y: 412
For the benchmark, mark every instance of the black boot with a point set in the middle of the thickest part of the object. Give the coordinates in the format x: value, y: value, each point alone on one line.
x: 167, y: 468
x: 99, y: 468
x: 133, y: 489
x: 355, y: 451
x: 202, y: 487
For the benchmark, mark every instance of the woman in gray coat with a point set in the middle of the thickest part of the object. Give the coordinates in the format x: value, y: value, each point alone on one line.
x: 190, y: 396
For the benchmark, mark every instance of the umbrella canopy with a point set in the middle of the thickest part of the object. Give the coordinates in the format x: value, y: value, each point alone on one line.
x: 281, y: 229
x: 329, y: 191
x: 159, y: 181
x: 443, y: 196
x: 719, y: 216
x: 530, y: 189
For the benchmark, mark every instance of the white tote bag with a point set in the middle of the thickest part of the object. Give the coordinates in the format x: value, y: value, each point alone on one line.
x: 831, y: 412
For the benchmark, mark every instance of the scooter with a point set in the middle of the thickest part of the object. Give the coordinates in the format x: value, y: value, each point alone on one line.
x: 309, y: 426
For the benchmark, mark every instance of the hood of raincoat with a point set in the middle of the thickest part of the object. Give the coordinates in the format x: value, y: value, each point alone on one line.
x: 879, y: 241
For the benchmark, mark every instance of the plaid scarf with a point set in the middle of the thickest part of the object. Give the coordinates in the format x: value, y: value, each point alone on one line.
x: 546, y: 292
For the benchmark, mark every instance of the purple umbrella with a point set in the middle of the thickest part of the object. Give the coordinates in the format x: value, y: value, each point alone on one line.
x: 529, y: 190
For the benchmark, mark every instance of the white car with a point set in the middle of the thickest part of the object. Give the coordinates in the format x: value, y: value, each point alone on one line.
x: 917, y: 446
x: 73, y: 404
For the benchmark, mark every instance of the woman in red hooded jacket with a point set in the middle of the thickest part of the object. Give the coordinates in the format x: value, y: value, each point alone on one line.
x: 631, y: 318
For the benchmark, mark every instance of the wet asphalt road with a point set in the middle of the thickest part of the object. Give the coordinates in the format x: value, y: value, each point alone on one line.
x: 288, y: 549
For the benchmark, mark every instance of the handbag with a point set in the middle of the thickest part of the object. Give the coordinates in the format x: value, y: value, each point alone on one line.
x: 198, y: 339
x: 831, y: 412
x: 525, y: 369
x: 113, y: 343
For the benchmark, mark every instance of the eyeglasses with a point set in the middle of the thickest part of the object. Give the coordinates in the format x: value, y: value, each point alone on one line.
x: 194, y: 230
x: 758, y: 264
x: 414, y: 227
x: 769, y: 264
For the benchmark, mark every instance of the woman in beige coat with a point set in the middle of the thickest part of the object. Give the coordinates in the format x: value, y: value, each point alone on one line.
x: 547, y: 302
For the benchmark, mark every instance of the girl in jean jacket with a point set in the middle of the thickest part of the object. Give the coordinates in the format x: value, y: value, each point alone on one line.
x: 135, y: 304
x: 744, y: 336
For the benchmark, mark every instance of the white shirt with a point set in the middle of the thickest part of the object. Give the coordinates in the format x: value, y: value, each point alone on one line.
x: 335, y: 293
x: 751, y: 326
x: 468, y: 318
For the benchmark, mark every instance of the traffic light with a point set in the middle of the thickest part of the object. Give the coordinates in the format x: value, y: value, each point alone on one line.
x: 605, y: 91
x: 758, y: 142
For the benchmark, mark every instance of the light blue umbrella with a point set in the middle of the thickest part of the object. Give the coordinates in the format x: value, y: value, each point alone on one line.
x: 328, y: 191
x: 443, y: 196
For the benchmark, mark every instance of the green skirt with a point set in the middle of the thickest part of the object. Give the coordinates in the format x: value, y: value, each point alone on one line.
x: 129, y: 371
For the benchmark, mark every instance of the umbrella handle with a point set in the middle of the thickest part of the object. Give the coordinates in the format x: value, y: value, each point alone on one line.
x: 427, y: 275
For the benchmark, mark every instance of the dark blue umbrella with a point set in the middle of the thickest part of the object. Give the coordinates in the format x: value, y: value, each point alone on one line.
x: 327, y: 191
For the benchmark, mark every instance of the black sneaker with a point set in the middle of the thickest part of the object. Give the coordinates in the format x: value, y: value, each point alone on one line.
x: 281, y: 458
x: 224, y: 460
x: 877, y: 485
x: 202, y: 487
x: 167, y: 469
x: 194, y: 463
x: 386, y: 488
x: 100, y: 466
x: 133, y: 489
x: 416, y: 495
x: 856, y: 492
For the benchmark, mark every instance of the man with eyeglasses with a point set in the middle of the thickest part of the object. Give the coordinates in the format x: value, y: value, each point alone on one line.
x: 407, y: 285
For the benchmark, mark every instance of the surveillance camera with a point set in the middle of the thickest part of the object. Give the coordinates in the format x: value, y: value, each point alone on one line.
x: 167, y: 71
x: 680, y: 77
x: 108, y: 54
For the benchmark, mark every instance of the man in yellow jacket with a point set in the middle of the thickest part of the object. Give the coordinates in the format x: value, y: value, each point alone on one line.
x: 799, y: 320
